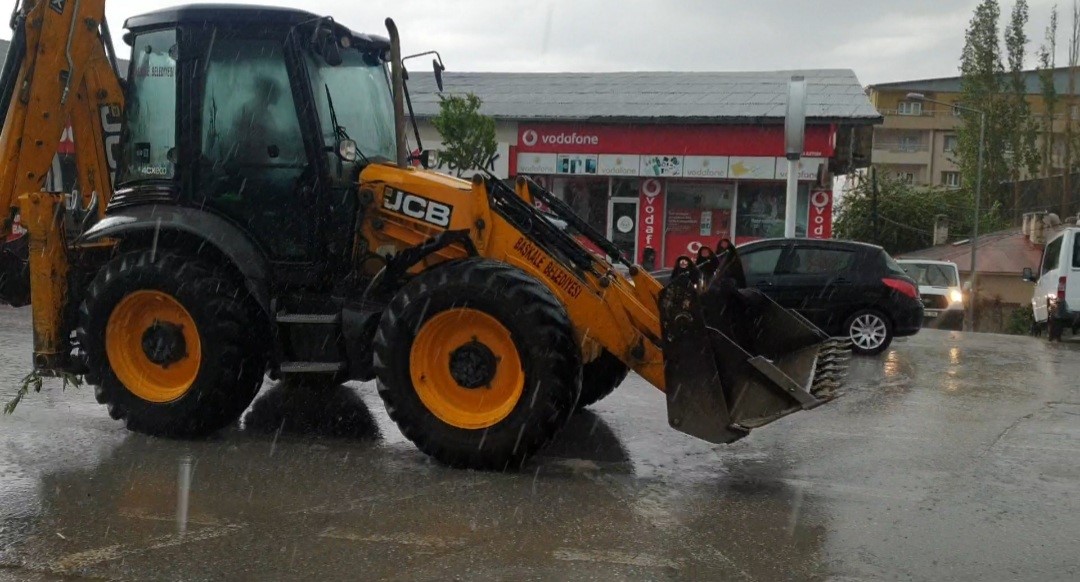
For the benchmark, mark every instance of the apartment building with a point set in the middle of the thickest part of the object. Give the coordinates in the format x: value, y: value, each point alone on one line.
x: 918, y: 139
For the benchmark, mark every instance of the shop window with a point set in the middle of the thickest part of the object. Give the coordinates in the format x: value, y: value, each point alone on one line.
x: 761, y: 209
x: 588, y: 198
x: 698, y: 213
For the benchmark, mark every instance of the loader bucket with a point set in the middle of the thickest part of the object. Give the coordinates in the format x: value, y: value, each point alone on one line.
x: 735, y: 360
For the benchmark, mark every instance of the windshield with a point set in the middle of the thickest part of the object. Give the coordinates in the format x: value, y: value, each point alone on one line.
x: 150, y: 115
x: 356, y: 93
x: 931, y: 274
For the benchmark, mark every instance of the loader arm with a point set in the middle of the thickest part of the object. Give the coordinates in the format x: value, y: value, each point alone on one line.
x: 59, y: 73
x: 717, y: 387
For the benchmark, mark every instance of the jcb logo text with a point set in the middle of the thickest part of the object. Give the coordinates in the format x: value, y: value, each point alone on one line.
x: 418, y: 207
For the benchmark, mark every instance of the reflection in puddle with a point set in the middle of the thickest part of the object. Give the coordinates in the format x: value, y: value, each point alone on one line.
x: 183, y: 493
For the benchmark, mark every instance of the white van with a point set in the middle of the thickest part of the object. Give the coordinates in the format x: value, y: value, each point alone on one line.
x: 1056, y: 301
x: 939, y: 289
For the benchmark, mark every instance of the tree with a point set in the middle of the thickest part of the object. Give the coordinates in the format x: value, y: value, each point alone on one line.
x: 1070, y: 107
x: 1021, y: 130
x: 906, y: 214
x: 981, y: 76
x: 468, y: 136
x: 1047, y: 63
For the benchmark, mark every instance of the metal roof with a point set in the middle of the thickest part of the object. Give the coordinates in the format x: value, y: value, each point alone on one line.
x: 1005, y: 252
x: 952, y: 84
x: 833, y: 95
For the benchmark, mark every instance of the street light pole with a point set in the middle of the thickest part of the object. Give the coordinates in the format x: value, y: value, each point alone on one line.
x: 970, y: 325
x: 969, y: 321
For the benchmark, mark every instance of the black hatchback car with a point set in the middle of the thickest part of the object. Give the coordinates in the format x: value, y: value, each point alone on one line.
x: 848, y: 289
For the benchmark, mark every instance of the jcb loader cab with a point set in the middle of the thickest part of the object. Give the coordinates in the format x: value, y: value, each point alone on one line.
x: 265, y: 220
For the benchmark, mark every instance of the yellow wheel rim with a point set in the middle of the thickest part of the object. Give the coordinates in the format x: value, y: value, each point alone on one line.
x: 465, y: 368
x: 153, y: 346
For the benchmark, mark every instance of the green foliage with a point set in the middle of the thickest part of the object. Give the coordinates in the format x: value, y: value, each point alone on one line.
x: 982, y: 82
x: 1047, y: 63
x: 35, y: 381
x: 906, y: 214
x: 1022, y: 129
x: 468, y: 136
x: 1020, y: 321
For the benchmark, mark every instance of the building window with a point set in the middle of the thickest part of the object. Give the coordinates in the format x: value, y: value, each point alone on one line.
x: 909, y: 143
x: 956, y: 110
x: 907, y: 177
x: 909, y: 108
x: 950, y: 144
x: 950, y: 179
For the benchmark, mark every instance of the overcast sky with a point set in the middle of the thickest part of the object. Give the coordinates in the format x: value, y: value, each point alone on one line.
x: 882, y: 40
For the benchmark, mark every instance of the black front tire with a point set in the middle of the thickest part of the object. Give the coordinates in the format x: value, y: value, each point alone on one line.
x: 542, y: 336
x: 870, y: 332
x: 600, y: 377
x: 231, y: 371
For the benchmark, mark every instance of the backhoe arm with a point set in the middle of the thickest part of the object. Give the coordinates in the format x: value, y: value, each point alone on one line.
x: 60, y: 74
x: 65, y: 76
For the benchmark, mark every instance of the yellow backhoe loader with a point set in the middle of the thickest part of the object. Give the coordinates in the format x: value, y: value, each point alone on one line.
x: 245, y: 206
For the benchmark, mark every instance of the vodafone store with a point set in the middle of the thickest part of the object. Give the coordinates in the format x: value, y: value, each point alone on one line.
x: 661, y: 191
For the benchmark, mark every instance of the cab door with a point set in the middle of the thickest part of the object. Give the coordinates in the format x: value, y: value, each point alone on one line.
x: 253, y: 161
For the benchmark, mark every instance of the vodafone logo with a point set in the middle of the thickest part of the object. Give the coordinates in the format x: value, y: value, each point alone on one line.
x: 820, y: 199
x: 694, y: 247
x: 651, y: 188
x: 531, y: 137
x: 820, y: 214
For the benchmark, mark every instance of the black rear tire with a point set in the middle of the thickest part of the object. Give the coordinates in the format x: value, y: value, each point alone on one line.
x: 541, y: 334
x: 600, y: 377
x: 234, y: 358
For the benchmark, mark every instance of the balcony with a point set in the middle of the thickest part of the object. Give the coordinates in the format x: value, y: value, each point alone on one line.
x: 900, y: 153
x: 929, y: 119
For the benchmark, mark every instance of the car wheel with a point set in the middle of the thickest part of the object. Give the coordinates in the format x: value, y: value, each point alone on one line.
x: 870, y: 332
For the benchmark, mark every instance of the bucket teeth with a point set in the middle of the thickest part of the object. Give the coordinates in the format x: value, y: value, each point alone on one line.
x: 831, y: 369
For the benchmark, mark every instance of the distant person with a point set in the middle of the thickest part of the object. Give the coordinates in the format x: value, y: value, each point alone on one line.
x: 729, y: 264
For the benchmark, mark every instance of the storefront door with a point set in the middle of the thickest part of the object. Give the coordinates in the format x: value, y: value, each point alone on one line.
x: 622, y: 225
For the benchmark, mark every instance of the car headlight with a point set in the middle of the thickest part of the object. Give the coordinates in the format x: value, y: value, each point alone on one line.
x: 956, y: 296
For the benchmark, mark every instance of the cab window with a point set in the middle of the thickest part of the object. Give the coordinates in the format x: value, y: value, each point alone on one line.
x: 1076, y: 251
x: 1052, y: 255
x: 252, y: 159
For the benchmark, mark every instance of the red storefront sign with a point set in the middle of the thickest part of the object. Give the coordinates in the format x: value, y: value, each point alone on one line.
x: 819, y: 222
x: 701, y: 140
x: 650, y: 217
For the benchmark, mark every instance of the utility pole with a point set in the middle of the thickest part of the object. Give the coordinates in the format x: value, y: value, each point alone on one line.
x: 794, y: 136
x: 873, y: 204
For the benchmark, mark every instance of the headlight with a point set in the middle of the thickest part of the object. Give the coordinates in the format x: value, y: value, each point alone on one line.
x: 956, y: 296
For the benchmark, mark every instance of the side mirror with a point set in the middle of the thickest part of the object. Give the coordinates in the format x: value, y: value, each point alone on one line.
x: 425, y: 159
x: 1027, y: 275
x: 326, y: 44
x: 438, y: 73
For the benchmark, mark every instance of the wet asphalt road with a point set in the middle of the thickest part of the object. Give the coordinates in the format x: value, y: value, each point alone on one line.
x: 951, y: 456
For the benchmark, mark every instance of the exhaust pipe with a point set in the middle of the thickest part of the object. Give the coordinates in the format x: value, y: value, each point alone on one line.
x: 397, y: 81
